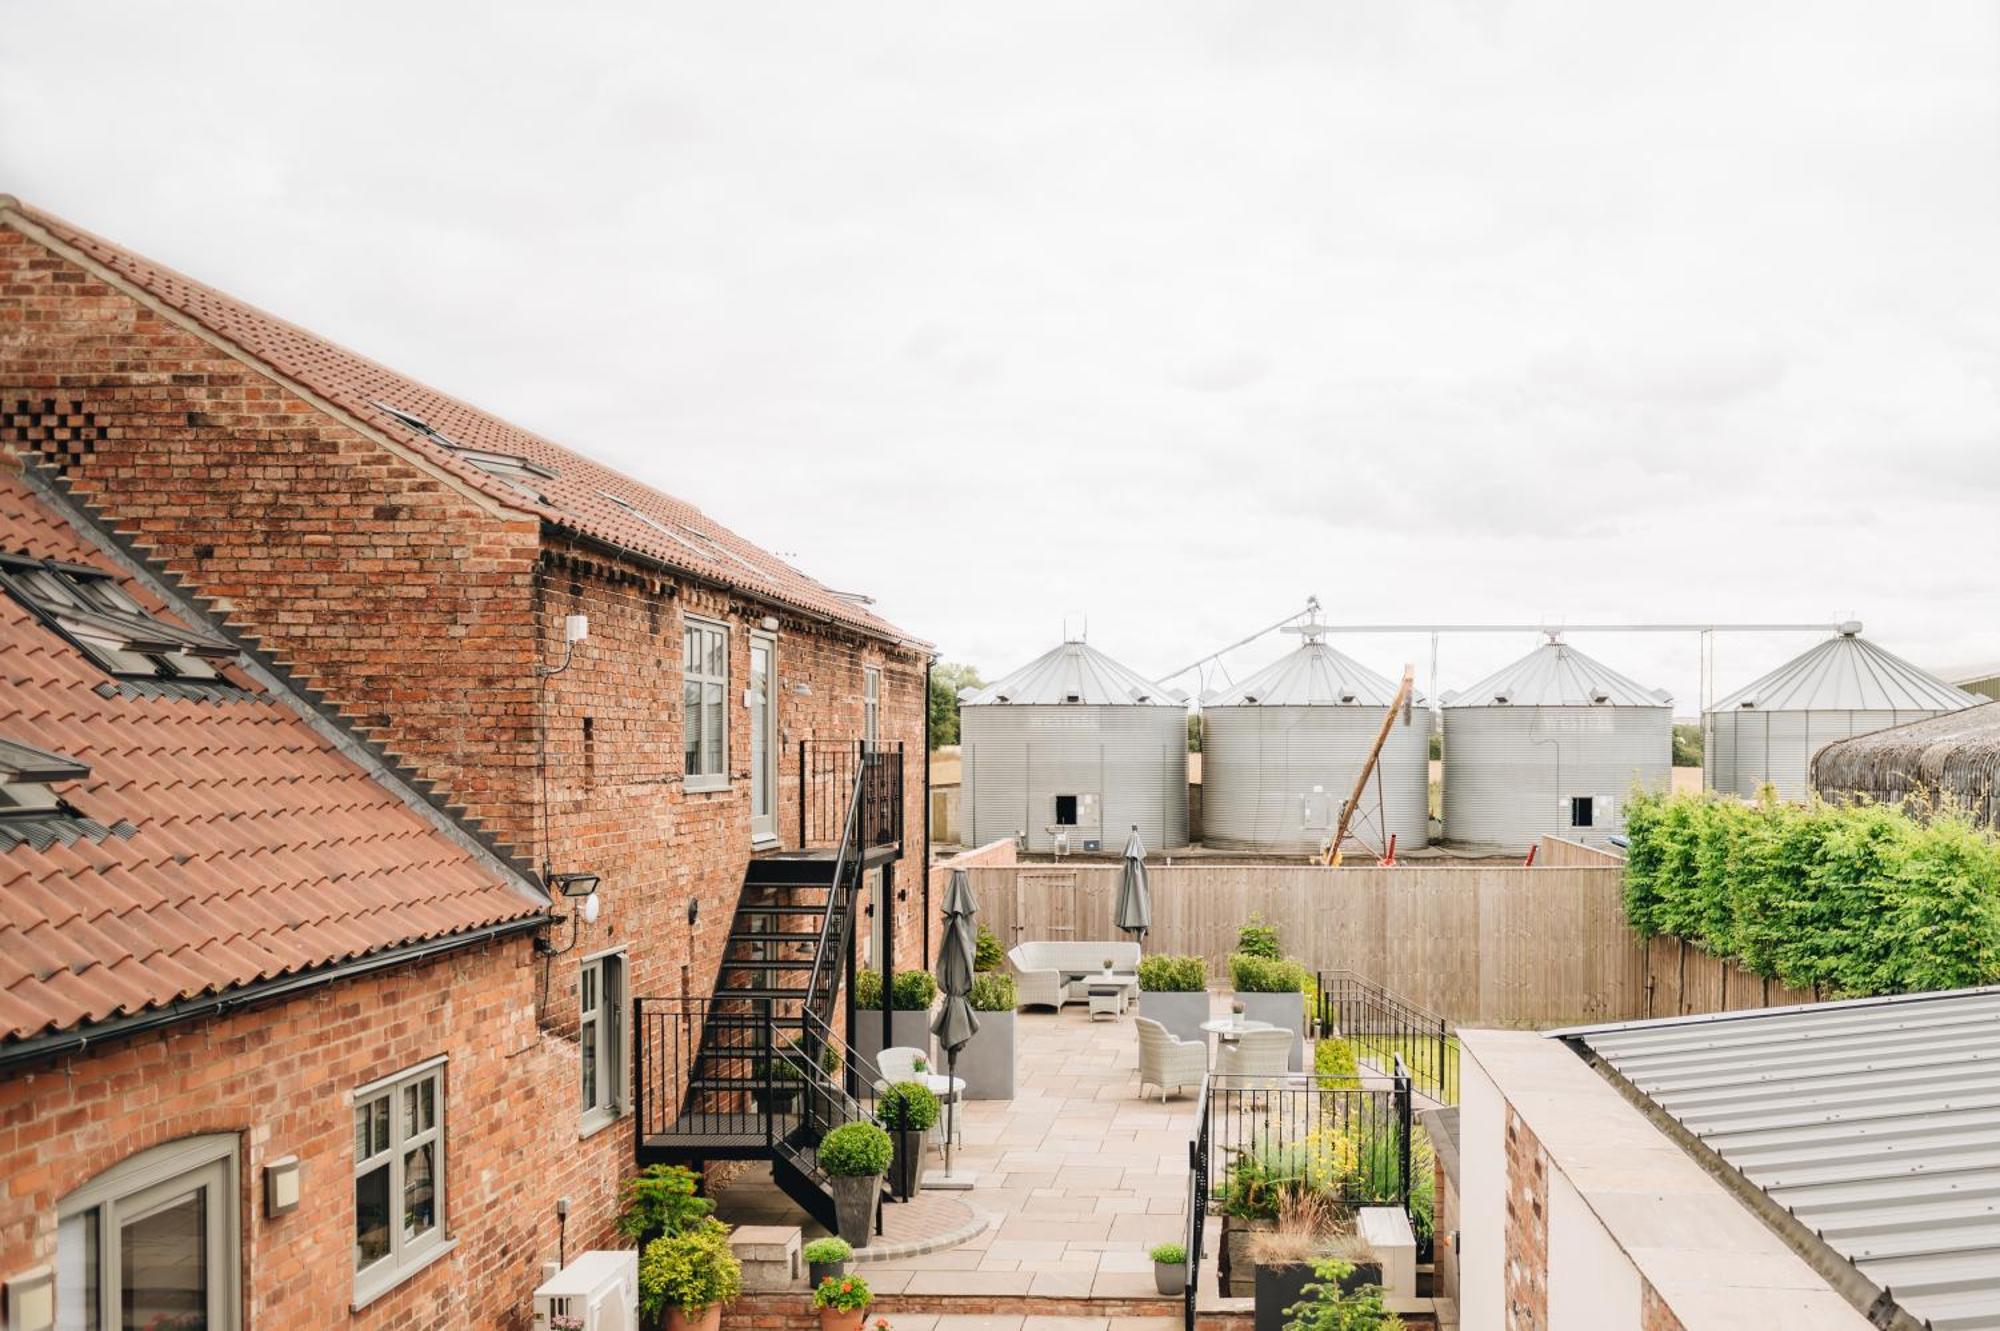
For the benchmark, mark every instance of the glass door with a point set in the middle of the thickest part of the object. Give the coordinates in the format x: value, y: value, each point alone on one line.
x: 150, y: 1256
x: 762, y: 700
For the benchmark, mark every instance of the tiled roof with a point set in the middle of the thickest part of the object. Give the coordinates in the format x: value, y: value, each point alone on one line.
x: 247, y: 846
x: 579, y: 495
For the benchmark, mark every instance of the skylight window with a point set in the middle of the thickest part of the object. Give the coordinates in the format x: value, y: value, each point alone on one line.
x: 517, y: 472
x: 27, y: 778
x: 88, y: 607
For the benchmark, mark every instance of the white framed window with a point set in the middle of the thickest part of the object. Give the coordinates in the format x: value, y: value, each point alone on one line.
x: 600, y: 1034
x: 705, y: 720
x: 871, y: 705
x: 153, y: 1241
x: 399, y: 1214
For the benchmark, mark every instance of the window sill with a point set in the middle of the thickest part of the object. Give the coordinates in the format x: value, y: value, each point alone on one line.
x: 764, y: 843
x: 374, y: 1285
x: 704, y: 785
x: 596, y: 1121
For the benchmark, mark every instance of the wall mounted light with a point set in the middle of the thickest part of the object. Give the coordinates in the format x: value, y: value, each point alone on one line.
x: 31, y: 1300
x: 580, y: 888
x: 281, y: 1186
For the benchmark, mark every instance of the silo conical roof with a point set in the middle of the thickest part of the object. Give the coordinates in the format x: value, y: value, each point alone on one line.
x: 1847, y: 673
x: 1312, y: 675
x: 1558, y: 675
x: 1074, y: 673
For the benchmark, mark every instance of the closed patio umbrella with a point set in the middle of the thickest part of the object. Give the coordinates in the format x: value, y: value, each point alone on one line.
x: 956, y: 1022
x: 1135, y: 902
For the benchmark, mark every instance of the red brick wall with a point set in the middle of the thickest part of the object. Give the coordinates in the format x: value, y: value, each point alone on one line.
x: 362, y: 572
x: 279, y: 1076
x: 1654, y: 1314
x: 1527, y: 1257
x: 420, y: 612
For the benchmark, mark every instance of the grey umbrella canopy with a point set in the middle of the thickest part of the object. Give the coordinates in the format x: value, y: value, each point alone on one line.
x: 1135, y: 900
x: 956, y: 1022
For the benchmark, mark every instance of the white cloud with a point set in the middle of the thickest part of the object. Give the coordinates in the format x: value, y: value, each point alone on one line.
x: 1172, y: 312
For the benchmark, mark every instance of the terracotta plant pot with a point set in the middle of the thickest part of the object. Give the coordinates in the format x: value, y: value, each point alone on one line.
x: 842, y: 1319
x: 708, y: 1319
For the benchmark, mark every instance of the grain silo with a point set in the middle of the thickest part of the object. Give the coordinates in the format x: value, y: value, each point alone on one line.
x: 1281, y: 750
x: 1072, y: 751
x: 1769, y: 730
x: 1551, y: 744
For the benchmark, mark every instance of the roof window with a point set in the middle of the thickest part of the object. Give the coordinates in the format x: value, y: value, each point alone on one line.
x: 27, y: 778
x: 88, y: 607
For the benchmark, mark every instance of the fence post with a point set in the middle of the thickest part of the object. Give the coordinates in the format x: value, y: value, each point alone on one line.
x: 1403, y: 1125
x: 1444, y: 1086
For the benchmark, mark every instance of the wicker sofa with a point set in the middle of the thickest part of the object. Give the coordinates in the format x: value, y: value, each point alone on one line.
x: 1051, y: 974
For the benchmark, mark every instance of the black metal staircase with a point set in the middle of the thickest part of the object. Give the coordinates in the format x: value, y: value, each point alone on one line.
x: 760, y: 1069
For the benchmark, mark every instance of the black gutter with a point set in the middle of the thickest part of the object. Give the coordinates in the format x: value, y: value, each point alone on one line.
x: 77, y: 1039
x: 925, y: 867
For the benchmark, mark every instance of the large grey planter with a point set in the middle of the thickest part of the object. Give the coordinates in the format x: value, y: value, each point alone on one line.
x: 1286, y: 1010
x: 909, y: 1030
x: 987, y: 1060
x: 854, y: 1198
x: 1182, y: 1014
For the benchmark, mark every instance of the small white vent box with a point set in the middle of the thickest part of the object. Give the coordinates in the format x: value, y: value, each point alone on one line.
x: 599, y: 1288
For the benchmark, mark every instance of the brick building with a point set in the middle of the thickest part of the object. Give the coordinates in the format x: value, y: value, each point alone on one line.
x: 409, y: 564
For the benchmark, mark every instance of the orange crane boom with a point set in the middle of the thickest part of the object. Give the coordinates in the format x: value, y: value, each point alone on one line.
x: 1401, y: 699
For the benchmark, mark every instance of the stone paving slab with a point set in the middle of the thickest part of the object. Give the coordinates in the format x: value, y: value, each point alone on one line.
x: 1077, y: 1175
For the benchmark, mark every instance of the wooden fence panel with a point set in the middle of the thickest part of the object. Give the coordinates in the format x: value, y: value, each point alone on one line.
x: 1480, y: 944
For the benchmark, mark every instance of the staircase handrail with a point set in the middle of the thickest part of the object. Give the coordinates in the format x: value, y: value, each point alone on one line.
x: 839, y: 891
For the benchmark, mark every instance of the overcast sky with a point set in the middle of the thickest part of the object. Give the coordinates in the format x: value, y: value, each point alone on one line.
x: 1167, y: 314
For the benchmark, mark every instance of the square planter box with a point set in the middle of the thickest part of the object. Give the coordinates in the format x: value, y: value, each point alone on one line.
x: 1182, y: 1014
x: 1279, y: 1287
x: 909, y: 1030
x: 1285, y: 1010
x: 987, y: 1061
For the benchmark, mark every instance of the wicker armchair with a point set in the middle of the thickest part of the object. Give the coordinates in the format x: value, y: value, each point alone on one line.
x: 1265, y: 1053
x: 1166, y: 1061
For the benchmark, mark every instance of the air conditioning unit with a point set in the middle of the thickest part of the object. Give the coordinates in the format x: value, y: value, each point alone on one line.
x: 600, y: 1289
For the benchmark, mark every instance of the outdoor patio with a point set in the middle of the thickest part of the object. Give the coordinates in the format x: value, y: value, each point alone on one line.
x: 1077, y: 1178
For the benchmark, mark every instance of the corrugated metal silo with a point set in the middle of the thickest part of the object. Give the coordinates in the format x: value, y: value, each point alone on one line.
x: 1551, y: 744
x: 1280, y: 751
x: 1769, y: 730
x: 1076, y: 746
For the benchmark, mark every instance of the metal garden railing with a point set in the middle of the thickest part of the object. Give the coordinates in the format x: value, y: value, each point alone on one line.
x: 1256, y: 1136
x: 830, y: 772
x: 1383, y: 1027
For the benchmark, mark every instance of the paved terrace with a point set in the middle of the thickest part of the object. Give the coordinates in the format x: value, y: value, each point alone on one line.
x: 1077, y: 1178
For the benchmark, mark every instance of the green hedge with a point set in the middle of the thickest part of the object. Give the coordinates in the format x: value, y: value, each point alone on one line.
x: 1163, y: 974
x: 1857, y: 900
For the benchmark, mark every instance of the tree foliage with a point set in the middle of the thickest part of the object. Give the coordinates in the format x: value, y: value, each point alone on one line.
x: 947, y: 678
x: 1855, y: 900
x: 1687, y: 744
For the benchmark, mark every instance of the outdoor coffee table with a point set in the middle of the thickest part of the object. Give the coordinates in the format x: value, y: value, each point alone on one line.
x: 1228, y: 1028
x: 1108, y: 992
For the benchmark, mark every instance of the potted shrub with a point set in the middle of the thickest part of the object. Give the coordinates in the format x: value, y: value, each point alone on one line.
x: 689, y: 1275
x: 1273, y: 992
x: 1174, y: 992
x: 1332, y: 1302
x: 826, y: 1257
x: 661, y: 1199
x: 906, y: 1111
x: 1261, y: 1180
x: 910, y: 995
x: 842, y: 1302
x: 1169, y: 1268
x: 987, y: 954
x: 986, y: 1063
x: 855, y: 1156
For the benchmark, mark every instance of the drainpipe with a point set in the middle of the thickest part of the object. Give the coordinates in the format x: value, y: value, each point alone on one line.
x: 925, y: 866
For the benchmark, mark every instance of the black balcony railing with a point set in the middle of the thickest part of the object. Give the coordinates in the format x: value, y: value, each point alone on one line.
x: 829, y: 771
x: 1383, y: 1027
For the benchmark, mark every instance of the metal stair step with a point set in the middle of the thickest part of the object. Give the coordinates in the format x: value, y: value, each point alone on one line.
x: 771, y: 936
x: 760, y: 991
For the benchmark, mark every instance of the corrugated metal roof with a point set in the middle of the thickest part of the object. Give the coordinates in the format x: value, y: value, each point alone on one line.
x: 1848, y: 673
x: 1874, y: 1123
x: 1075, y: 673
x: 1313, y: 675
x: 1558, y: 675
